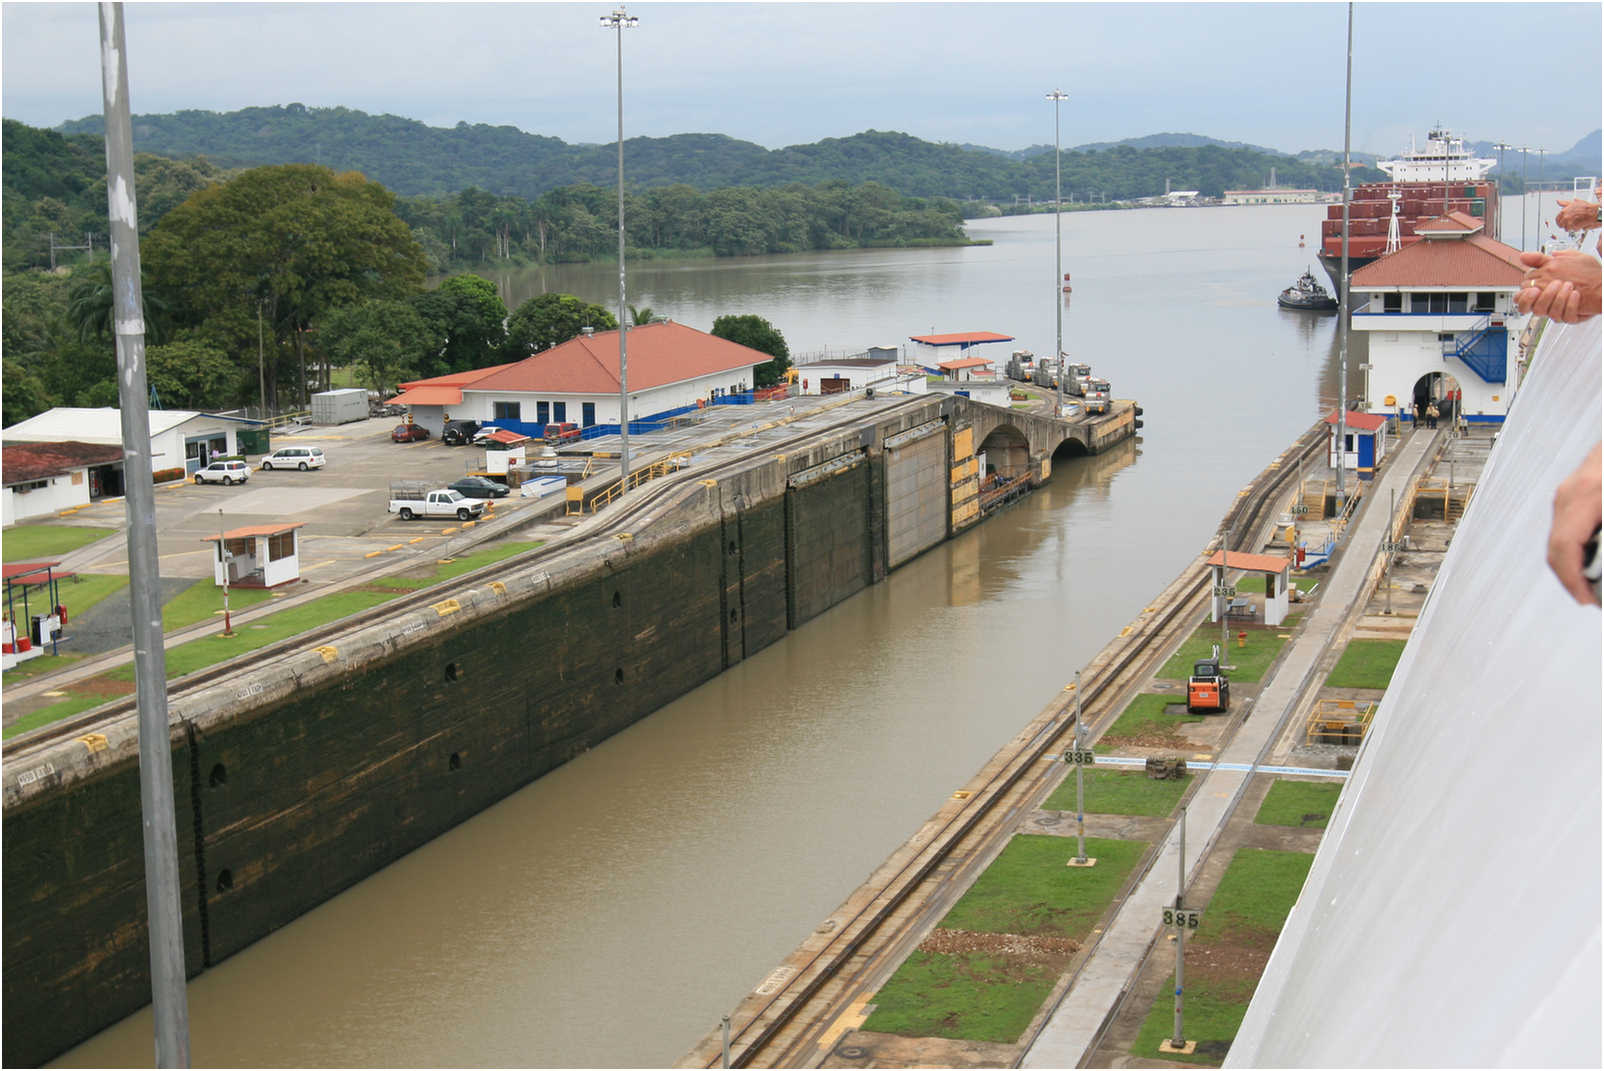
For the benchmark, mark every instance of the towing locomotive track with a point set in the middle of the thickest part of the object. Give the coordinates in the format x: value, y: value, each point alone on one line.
x: 616, y: 519
x: 784, y: 1027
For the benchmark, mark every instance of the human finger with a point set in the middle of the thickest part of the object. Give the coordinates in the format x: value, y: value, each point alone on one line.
x: 1534, y: 259
x: 1565, y: 559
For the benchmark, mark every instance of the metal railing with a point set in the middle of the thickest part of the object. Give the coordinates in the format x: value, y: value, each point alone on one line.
x: 1337, y: 721
x: 577, y: 504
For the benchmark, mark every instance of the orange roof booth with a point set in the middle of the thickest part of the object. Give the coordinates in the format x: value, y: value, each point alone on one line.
x: 1275, y: 571
x: 259, y: 556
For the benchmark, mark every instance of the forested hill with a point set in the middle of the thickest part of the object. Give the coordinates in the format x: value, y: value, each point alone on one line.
x: 412, y: 158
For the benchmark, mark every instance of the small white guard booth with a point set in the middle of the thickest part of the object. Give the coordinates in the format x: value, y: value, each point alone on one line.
x: 259, y: 556
x: 1274, y: 569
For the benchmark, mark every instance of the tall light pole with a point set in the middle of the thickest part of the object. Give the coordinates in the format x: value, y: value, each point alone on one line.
x: 1523, y: 151
x: 1056, y: 96
x: 163, y: 891
x: 1057, y: 244
x: 1342, y: 315
x: 618, y: 21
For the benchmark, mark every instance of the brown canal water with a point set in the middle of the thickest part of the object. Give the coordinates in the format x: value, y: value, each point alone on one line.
x: 608, y: 914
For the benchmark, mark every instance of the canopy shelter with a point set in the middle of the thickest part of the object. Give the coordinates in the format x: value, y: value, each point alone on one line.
x: 257, y: 556
x: 1274, y: 569
x: 38, y: 629
x: 961, y: 342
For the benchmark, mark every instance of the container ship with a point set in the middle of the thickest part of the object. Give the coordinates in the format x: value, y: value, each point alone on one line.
x: 1423, y: 184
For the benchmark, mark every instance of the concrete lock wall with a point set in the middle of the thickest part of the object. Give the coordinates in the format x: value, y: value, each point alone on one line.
x: 301, y: 777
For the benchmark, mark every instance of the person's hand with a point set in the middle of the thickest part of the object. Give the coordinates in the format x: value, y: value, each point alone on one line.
x: 1578, y: 507
x: 1577, y: 215
x: 1564, y: 286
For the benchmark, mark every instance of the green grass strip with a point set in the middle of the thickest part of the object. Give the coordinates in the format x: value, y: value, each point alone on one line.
x: 1250, y: 661
x: 1366, y: 664
x: 1245, y: 916
x: 44, y: 542
x: 1028, y: 889
x: 204, y: 599
x: 54, y: 712
x: 82, y: 590
x: 972, y: 996
x: 210, y: 650
x: 1306, y: 804
x: 1144, y: 717
x: 261, y: 632
x: 1119, y: 792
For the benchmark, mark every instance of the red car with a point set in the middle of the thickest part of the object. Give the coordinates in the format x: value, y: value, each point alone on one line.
x: 409, y: 433
x: 556, y: 433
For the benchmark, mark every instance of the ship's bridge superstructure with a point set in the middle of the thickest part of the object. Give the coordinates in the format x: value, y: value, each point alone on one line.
x: 1444, y: 159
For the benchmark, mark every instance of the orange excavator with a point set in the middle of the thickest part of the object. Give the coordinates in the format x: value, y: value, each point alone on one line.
x: 1208, y: 688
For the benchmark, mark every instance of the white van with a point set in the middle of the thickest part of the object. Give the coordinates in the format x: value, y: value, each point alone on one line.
x: 294, y: 457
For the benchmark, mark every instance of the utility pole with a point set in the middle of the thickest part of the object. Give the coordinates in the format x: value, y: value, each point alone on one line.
x: 618, y: 21
x: 169, y: 1000
x: 1080, y: 756
x: 1342, y: 315
x: 1057, y: 96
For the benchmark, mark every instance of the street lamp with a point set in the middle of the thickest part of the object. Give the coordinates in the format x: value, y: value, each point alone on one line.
x: 619, y: 22
x: 1058, y: 251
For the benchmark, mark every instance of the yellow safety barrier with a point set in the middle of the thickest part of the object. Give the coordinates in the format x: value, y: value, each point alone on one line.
x: 1337, y: 721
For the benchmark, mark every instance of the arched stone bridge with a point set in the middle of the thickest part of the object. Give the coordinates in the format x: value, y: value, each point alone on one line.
x: 1015, y: 441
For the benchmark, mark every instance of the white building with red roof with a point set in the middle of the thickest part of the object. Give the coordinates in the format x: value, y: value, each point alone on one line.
x: 672, y: 368
x: 1441, y: 321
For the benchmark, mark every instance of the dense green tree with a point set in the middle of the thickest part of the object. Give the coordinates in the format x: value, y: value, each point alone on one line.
x: 640, y: 317
x: 465, y: 321
x: 385, y: 340
x: 758, y: 334
x: 191, y: 373
x: 293, y: 242
x: 550, y: 320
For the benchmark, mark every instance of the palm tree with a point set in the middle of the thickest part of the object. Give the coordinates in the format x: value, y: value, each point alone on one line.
x: 91, y: 305
x: 638, y: 317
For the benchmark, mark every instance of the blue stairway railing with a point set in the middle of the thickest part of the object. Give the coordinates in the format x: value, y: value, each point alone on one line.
x: 1483, y: 349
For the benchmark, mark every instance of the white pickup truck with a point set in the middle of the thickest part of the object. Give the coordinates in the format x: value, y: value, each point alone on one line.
x: 418, y: 501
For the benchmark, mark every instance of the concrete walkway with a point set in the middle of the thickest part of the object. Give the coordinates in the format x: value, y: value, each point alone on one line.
x: 1072, y: 1029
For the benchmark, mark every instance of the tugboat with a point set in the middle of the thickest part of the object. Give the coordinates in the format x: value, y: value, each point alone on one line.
x: 1306, y: 293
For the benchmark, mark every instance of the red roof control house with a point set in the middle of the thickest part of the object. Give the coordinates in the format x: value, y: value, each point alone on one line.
x: 672, y: 367
x: 45, y: 478
x: 1441, y: 321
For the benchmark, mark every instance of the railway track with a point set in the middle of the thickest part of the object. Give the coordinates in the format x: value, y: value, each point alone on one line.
x: 797, y: 1022
x: 619, y: 517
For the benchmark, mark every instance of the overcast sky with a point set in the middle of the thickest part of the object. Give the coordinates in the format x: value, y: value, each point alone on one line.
x: 784, y: 74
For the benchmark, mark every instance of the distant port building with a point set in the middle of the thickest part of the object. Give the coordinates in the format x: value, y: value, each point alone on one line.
x: 1281, y: 196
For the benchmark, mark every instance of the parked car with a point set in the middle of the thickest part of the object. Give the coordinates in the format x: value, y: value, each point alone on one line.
x: 227, y: 472
x: 295, y: 457
x: 478, y: 487
x: 556, y: 433
x: 458, y: 432
x: 412, y: 499
x: 409, y: 433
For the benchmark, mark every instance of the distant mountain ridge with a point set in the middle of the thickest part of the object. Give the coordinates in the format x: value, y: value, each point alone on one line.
x: 414, y: 159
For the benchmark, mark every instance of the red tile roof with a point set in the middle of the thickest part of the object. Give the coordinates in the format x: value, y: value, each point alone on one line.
x: 511, y: 438
x: 1361, y: 421
x: 1455, y: 222
x: 967, y: 362
x: 1257, y: 563
x: 428, y: 396
x: 26, y: 462
x: 253, y: 530
x: 659, y: 354
x: 962, y: 338
x: 455, y: 379
x: 1472, y: 260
